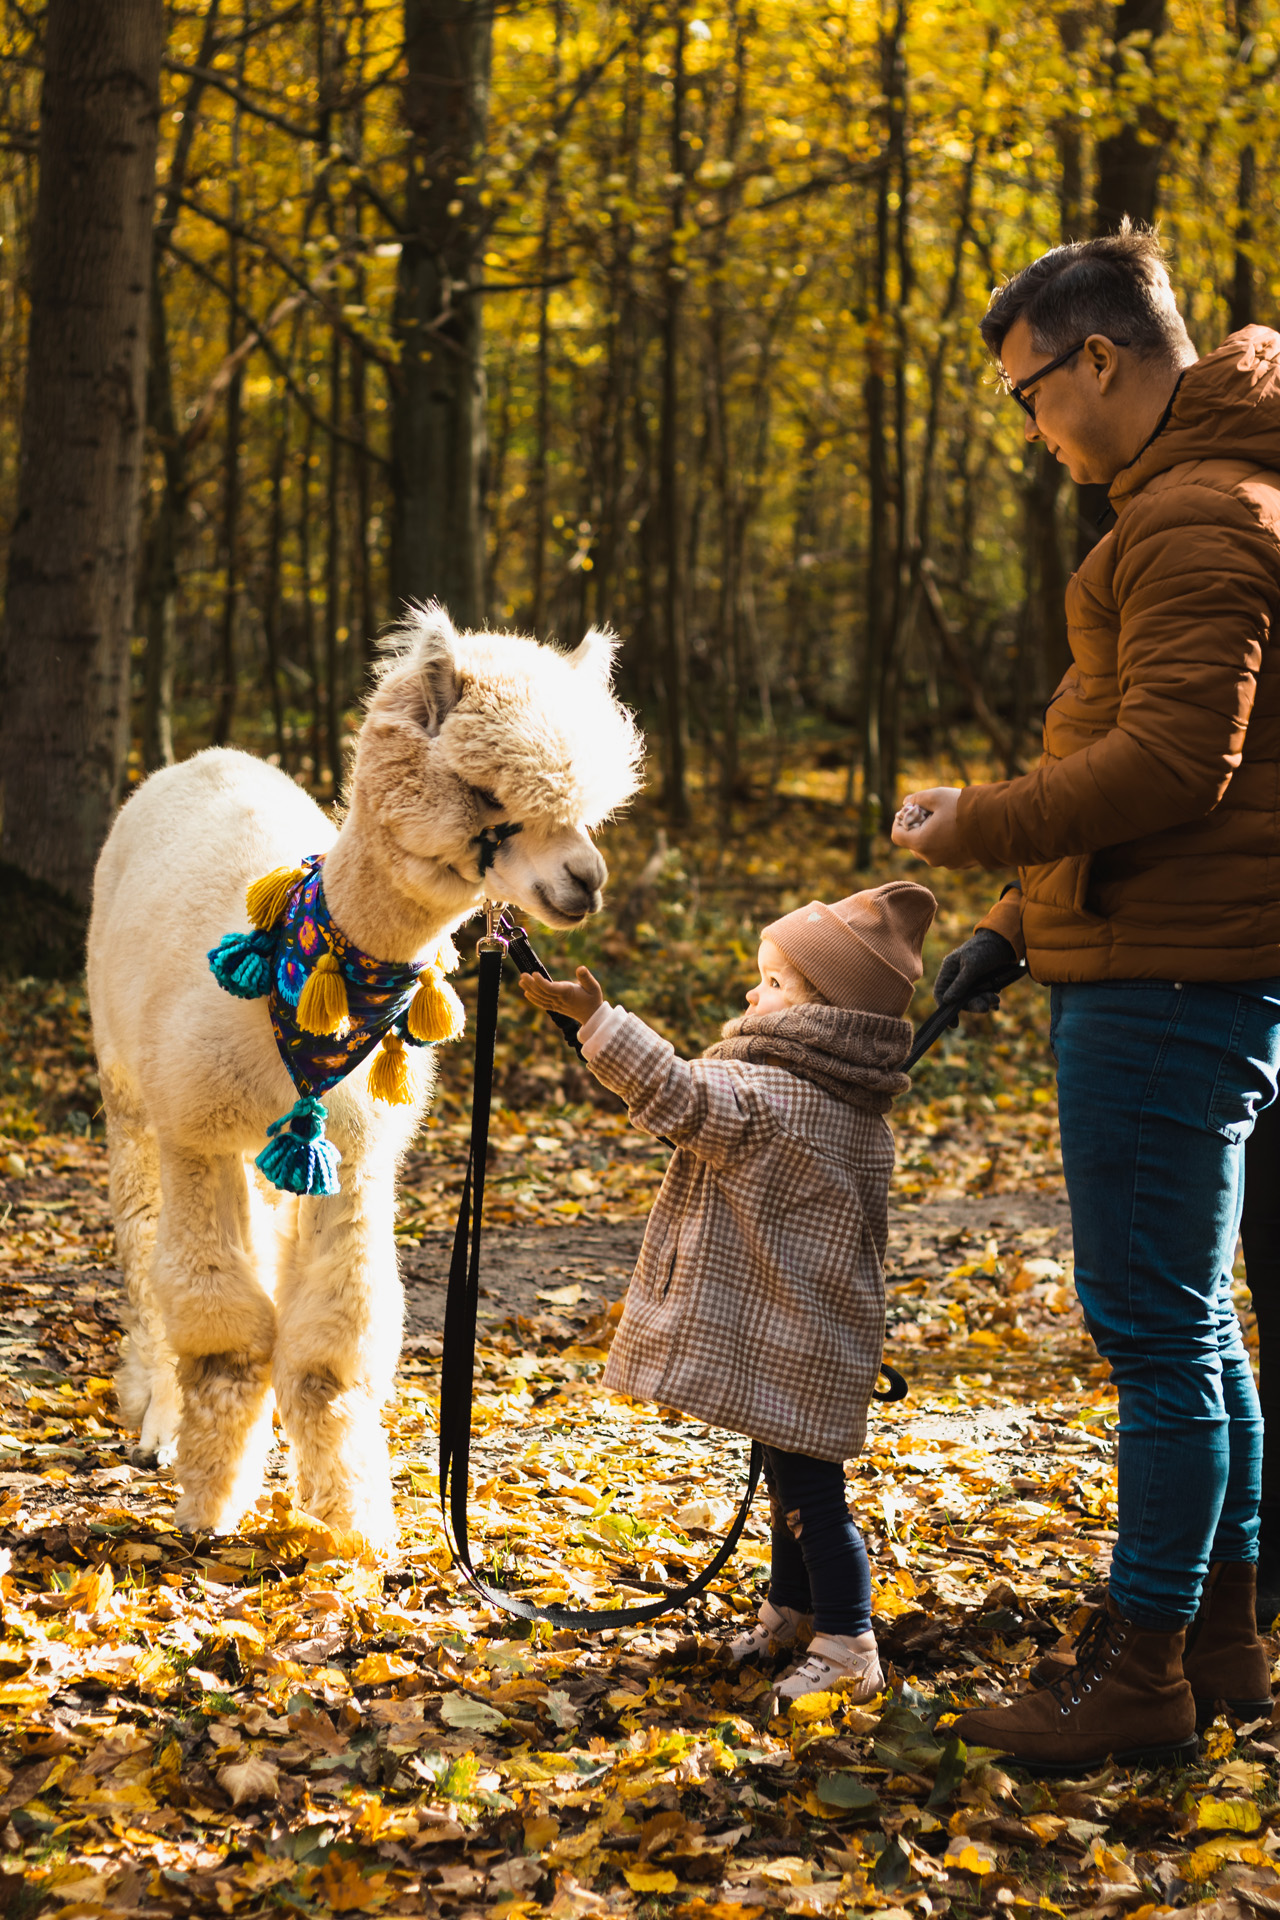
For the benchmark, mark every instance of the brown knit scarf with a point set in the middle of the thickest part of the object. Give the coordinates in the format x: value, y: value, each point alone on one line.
x: 855, y: 1057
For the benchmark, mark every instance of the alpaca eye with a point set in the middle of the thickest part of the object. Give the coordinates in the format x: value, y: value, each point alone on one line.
x: 487, y: 799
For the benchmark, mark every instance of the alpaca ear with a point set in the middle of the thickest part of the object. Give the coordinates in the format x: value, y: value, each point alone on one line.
x: 593, y: 656
x: 435, y: 659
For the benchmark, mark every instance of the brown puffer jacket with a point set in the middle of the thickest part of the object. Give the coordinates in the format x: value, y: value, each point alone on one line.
x: 1148, y: 839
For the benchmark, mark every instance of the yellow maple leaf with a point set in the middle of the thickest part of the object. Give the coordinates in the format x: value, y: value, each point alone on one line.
x: 541, y: 1832
x: 1236, y: 1816
x: 656, y: 1880
x: 1209, y: 1858
x: 249, y: 1636
x: 379, y: 1669
x: 90, y: 1792
x: 167, y: 1770
x: 814, y: 1706
x: 91, y: 1592
x: 18, y: 1693
x: 153, y: 1674
x: 347, y: 1890
x: 969, y: 1856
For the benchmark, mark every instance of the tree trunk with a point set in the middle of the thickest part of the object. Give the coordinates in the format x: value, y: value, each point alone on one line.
x: 881, y: 589
x: 224, y: 715
x: 1071, y: 24
x: 877, y: 595
x: 165, y: 530
x: 362, y: 587
x: 333, y: 676
x: 1243, y: 302
x: 228, y: 650
x: 1128, y: 180
x: 538, y: 477
x: 273, y: 586
x: 161, y: 566
x: 438, y: 423
x: 308, y: 600
x: 903, y: 600
x: 64, y: 663
x: 675, y: 719
x: 1129, y: 160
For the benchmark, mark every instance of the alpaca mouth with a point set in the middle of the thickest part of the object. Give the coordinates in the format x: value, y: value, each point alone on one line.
x: 564, y: 916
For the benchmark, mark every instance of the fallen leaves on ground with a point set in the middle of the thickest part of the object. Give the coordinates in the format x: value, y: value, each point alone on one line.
x: 256, y: 1724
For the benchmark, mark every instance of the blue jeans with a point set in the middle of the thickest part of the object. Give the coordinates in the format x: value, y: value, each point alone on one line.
x: 1158, y: 1087
x: 820, y: 1563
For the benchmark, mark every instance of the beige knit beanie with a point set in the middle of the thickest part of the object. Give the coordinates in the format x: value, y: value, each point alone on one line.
x: 862, y: 954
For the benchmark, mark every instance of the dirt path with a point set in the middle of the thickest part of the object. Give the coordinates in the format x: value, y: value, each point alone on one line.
x: 520, y: 1263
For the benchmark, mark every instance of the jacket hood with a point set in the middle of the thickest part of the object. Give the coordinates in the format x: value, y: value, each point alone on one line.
x: 1226, y: 407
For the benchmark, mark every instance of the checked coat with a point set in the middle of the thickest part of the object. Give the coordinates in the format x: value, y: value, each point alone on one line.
x: 757, y: 1303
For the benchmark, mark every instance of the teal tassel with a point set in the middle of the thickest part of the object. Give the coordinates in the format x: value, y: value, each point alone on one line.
x: 298, y: 1158
x: 241, y: 963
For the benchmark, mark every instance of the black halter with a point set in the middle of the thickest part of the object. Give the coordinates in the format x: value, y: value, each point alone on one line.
x: 490, y: 839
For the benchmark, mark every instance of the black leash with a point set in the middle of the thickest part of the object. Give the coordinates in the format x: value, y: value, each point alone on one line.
x: 503, y: 939
x: 457, y: 1362
x: 930, y: 1031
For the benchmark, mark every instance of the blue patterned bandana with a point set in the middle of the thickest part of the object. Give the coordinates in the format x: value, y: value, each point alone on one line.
x: 277, y: 962
x: 378, y: 991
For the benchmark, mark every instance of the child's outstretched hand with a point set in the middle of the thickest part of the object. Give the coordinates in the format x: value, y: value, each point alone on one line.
x: 561, y: 996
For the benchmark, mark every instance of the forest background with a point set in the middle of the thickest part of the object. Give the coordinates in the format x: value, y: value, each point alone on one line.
x: 658, y: 313
x: 643, y: 312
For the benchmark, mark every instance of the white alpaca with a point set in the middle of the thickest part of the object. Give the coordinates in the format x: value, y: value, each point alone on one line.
x: 235, y: 1289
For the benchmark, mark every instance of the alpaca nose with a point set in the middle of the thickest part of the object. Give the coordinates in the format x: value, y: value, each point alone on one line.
x: 587, y: 876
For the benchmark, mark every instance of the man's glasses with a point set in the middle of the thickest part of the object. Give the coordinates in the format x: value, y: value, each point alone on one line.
x: 1019, y: 393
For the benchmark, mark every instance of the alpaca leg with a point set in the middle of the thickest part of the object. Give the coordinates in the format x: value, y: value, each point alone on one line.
x: 147, y: 1381
x: 341, y: 1313
x: 220, y: 1321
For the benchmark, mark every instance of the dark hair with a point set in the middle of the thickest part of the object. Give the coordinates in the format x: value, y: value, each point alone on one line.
x: 1117, y: 285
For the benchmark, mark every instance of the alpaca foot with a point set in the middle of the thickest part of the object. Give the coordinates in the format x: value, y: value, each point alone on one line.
x: 150, y: 1398
x: 223, y: 1440
x: 341, y: 1465
x: 369, y: 1518
x: 158, y: 1441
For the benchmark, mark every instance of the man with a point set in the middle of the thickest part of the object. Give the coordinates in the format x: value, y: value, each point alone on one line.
x: 1147, y: 845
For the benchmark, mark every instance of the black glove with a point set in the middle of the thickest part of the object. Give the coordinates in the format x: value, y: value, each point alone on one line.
x: 962, y: 974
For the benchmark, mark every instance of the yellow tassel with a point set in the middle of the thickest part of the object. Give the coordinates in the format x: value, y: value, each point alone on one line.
x: 267, y: 898
x: 389, y: 1074
x: 322, y: 1007
x: 435, y: 1011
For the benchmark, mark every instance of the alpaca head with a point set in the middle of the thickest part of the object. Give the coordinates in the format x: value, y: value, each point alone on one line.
x: 473, y: 731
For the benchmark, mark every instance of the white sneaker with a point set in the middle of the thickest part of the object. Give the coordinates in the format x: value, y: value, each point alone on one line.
x: 833, y: 1657
x: 778, y: 1629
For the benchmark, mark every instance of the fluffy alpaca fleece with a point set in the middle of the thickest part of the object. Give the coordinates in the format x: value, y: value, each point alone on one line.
x: 234, y: 1289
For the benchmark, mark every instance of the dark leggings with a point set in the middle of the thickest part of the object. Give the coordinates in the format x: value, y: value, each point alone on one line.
x: 1260, y: 1232
x: 820, y: 1565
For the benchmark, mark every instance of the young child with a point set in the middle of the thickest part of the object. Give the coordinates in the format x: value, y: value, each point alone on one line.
x: 758, y: 1300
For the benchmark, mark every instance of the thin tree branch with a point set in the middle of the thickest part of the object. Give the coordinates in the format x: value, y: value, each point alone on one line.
x: 290, y: 272
x: 1001, y: 736
x: 234, y: 361
x: 863, y: 170
x: 212, y: 77
x: 269, y: 353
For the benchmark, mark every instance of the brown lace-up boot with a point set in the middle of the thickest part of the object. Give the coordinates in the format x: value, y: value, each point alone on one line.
x: 1225, y: 1663
x: 1125, y: 1699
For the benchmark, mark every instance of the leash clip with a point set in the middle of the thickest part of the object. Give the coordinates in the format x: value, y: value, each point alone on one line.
x: 491, y: 941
